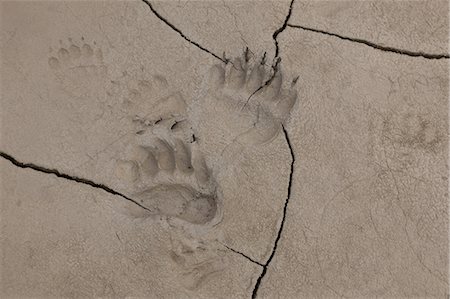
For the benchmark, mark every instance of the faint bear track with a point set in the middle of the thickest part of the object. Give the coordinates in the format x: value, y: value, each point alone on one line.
x: 78, y: 67
x: 167, y: 171
x: 138, y: 91
x: 198, y: 261
x: 241, y: 105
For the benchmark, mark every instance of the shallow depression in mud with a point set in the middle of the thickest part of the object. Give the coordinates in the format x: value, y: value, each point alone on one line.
x: 179, y: 201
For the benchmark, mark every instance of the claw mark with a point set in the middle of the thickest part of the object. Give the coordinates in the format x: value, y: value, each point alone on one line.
x: 246, y: 54
x: 263, y: 60
x: 277, y: 58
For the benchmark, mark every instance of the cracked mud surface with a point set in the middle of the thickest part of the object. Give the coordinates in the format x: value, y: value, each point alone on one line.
x: 224, y: 149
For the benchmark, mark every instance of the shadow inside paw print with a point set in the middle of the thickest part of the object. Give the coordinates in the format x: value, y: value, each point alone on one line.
x: 168, y: 171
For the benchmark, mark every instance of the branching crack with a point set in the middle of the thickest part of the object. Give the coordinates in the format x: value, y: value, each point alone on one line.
x: 224, y: 60
x: 68, y: 177
x: 374, y: 45
x: 280, y: 230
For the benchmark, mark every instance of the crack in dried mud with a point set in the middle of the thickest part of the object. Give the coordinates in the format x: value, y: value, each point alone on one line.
x: 244, y: 255
x: 181, y: 33
x: 275, y: 67
x: 281, y: 29
x: 280, y: 230
x: 72, y: 178
x: 374, y: 45
x: 276, y: 58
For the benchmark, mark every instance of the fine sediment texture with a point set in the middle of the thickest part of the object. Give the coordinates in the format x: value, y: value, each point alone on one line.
x: 302, y: 162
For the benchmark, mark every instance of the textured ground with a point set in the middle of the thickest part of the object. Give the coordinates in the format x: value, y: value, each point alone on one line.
x: 224, y: 149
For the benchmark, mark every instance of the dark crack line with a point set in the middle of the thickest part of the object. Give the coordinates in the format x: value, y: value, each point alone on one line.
x: 275, y: 67
x: 181, y: 33
x: 68, y: 177
x: 281, y: 29
x: 280, y: 230
x: 244, y: 255
x: 276, y: 58
x: 275, y: 70
x: 374, y: 45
